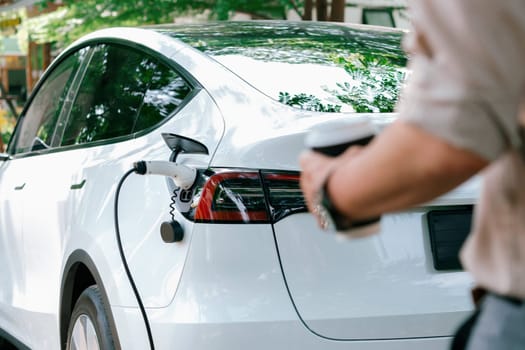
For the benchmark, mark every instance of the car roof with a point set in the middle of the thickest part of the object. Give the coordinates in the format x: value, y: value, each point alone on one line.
x: 275, y: 28
x: 214, y: 37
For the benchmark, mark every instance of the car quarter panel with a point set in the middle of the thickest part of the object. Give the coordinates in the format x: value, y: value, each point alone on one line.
x: 379, y: 287
x: 233, y: 296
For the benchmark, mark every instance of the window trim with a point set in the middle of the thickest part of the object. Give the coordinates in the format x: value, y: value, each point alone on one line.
x: 72, y: 93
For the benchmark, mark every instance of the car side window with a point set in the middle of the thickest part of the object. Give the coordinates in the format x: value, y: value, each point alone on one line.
x: 122, y: 92
x: 39, y: 121
x: 166, y: 92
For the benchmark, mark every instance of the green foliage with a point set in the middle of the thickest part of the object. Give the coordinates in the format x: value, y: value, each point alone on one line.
x: 7, y: 123
x: 222, y: 9
x: 375, y: 83
x: 307, y: 102
x: 83, y: 16
x: 6, y: 136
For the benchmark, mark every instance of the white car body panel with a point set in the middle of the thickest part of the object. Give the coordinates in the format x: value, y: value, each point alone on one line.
x: 379, y: 287
x: 275, y: 335
x: 415, y: 305
x: 12, y: 266
x: 232, y: 297
x: 44, y: 231
x: 130, y: 327
x: 143, y: 205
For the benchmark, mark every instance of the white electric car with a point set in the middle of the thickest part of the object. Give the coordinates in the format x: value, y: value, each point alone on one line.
x: 223, y: 254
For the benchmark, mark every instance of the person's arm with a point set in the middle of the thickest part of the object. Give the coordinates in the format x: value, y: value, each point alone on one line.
x: 404, y: 166
x: 456, y: 114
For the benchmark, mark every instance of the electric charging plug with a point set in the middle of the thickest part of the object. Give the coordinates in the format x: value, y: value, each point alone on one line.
x: 183, y: 175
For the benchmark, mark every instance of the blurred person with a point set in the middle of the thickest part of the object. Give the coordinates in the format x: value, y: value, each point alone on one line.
x: 461, y: 112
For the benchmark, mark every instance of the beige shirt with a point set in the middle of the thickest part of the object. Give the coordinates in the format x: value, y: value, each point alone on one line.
x: 467, y: 86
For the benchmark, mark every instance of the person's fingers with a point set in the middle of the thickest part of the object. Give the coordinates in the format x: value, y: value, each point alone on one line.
x: 308, y: 163
x: 315, y: 167
x: 309, y: 159
x: 306, y: 181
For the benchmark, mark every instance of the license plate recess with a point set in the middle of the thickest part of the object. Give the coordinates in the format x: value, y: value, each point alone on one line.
x: 448, y: 230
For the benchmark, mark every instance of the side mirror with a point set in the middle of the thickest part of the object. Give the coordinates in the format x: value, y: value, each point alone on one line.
x: 4, y: 157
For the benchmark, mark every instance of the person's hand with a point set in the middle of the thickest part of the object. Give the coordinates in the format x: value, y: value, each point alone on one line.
x: 315, y: 168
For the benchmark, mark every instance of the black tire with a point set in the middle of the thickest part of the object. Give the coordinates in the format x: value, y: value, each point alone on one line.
x: 90, y: 306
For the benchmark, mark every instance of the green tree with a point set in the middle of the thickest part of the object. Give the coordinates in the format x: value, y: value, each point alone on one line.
x: 83, y: 16
x: 223, y: 9
x: 307, y: 102
x: 376, y: 82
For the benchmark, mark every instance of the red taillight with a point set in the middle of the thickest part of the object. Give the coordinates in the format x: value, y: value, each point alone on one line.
x: 249, y: 197
x: 284, y: 194
x: 232, y: 197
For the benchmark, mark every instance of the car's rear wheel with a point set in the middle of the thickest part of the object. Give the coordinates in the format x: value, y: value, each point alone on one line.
x: 89, y: 325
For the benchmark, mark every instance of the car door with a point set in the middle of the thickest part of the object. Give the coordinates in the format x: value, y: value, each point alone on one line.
x: 72, y: 206
x: 30, y: 190
x: 12, y: 266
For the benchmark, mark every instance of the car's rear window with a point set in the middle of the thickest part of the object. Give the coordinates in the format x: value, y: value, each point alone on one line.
x: 314, y: 66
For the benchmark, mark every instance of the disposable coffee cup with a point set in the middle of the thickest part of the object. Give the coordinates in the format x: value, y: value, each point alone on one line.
x: 332, y: 139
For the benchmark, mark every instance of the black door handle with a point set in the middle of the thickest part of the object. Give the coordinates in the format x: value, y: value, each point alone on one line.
x: 79, y: 185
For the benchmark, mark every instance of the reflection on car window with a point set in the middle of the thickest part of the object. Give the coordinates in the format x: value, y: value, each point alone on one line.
x: 109, y: 97
x: 38, y: 124
x: 166, y: 91
x: 123, y: 91
x: 319, y: 67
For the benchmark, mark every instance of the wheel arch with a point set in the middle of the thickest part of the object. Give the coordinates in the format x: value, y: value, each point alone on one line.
x: 80, y: 272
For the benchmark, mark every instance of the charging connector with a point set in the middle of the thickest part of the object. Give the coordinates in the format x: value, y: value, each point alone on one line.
x: 183, y: 175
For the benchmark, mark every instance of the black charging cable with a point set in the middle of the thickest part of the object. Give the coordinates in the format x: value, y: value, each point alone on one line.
x: 123, y: 258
